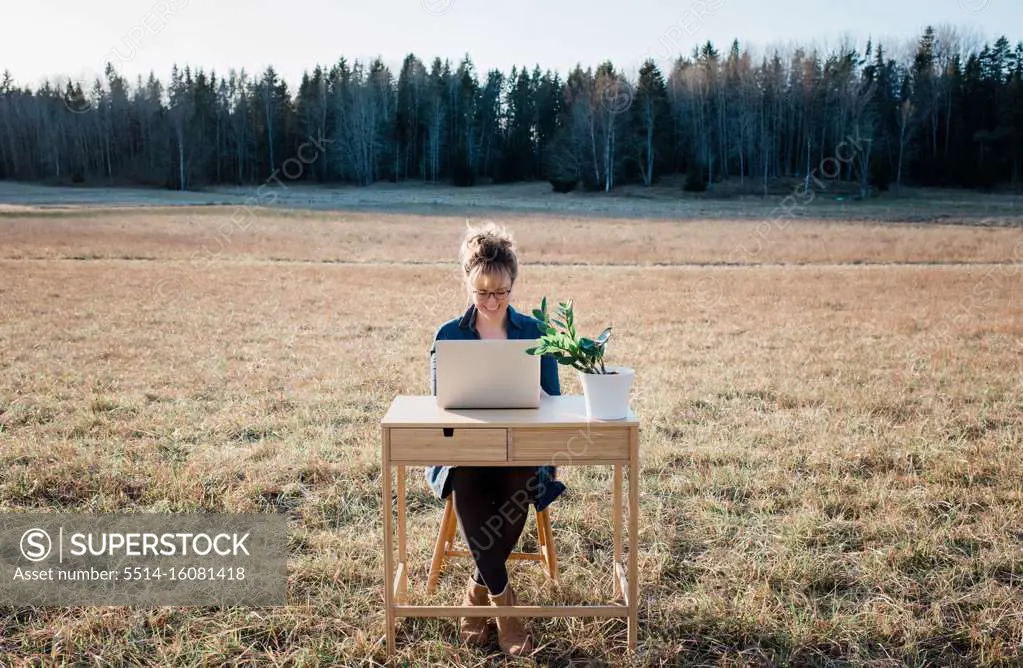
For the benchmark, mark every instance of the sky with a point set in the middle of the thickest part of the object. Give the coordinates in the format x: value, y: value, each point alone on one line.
x: 49, y: 39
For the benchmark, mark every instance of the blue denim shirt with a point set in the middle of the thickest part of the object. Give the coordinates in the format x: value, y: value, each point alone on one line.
x: 519, y: 326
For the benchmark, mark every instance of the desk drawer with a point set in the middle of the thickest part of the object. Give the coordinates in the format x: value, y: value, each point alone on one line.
x: 564, y: 445
x: 439, y: 445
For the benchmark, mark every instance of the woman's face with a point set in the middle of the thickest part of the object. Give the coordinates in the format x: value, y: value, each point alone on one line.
x: 490, y: 293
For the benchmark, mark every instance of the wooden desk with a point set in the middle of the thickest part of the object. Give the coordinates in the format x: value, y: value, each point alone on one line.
x: 416, y: 433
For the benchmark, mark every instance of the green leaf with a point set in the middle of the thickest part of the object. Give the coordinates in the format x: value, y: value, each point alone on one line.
x: 541, y: 313
x: 604, y: 336
x: 551, y: 331
x: 559, y: 324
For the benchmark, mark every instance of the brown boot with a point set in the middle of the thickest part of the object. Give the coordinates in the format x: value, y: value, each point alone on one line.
x: 511, y: 634
x: 474, y: 630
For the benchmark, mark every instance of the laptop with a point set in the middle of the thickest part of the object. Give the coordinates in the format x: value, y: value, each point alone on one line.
x: 487, y: 373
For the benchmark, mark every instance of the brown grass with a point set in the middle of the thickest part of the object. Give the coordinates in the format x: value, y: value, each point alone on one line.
x: 809, y: 496
x: 198, y: 236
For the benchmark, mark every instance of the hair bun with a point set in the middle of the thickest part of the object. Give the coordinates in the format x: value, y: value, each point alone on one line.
x: 488, y: 247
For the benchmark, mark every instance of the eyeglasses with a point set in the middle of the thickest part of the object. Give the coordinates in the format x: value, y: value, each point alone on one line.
x: 484, y: 295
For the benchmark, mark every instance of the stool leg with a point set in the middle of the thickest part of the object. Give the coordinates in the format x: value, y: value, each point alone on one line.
x: 548, y: 548
x: 541, y: 541
x: 402, y: 593
x: 440, y: 549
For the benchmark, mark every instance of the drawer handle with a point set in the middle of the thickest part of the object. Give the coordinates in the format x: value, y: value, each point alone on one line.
x: 449, y: 432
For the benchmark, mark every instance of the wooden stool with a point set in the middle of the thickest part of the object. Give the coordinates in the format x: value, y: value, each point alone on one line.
x: 446, y: 543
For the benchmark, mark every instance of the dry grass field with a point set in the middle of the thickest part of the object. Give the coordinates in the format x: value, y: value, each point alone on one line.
x: 832, y: 420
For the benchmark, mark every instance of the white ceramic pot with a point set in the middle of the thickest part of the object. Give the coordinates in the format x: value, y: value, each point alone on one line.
x: 607, y: 394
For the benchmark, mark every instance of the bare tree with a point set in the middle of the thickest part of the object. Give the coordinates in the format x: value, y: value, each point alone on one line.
x: 905, y: 118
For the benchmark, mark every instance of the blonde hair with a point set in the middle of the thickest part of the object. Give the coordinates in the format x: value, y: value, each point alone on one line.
x: 488, y: 248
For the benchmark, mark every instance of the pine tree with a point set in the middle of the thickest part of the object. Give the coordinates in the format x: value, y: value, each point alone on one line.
x: 650, y: 123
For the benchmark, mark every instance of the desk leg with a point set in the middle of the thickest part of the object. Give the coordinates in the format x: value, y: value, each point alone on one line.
x: 385, y: 477
x: 402, y: 596
x: 633, y: 536
x: 616, y: 509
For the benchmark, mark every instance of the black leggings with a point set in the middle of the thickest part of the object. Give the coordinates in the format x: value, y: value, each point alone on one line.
x: 492, y: 504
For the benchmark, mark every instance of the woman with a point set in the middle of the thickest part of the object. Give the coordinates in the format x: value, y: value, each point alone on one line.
x: 492, y: 503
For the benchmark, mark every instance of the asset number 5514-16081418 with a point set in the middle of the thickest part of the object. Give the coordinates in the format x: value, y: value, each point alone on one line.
x: 229, y: 573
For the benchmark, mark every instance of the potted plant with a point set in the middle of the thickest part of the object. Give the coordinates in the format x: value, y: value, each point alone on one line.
x: 606, y: 388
